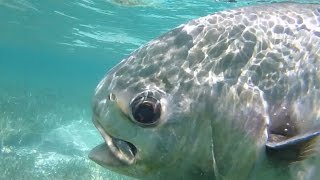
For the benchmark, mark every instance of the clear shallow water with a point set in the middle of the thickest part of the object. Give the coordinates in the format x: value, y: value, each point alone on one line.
x: 52, y: 55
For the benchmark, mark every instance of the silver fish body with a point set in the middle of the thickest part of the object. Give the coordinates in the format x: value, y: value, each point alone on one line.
x: 233, y: 95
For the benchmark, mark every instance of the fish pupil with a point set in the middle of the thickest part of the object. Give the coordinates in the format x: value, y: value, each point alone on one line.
x: 146, y: 111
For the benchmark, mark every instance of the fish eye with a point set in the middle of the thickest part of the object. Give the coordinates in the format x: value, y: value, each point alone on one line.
x: 145, y: 109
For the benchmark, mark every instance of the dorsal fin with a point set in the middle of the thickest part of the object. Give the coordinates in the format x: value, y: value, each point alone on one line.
x: 293, y: 149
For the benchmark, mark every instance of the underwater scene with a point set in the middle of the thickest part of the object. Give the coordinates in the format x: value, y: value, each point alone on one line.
x: 53, y: 55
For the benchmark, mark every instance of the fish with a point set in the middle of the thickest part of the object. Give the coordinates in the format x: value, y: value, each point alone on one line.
x: 231, y: 95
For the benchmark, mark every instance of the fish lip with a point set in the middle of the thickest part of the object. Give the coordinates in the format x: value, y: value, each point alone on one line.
x: 120, y: 150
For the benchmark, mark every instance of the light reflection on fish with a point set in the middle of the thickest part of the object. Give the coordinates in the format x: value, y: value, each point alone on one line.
x: 233, y: 95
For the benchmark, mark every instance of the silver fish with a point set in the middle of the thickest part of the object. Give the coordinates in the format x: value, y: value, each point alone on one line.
x: 232, y: 95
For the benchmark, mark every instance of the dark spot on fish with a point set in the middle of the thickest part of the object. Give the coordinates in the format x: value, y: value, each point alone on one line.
x: 148, y: 71
x: 288, y: 31
x: 253, y: 17
x: 303, y: 27
x: 217, y: 50
x: 235, y: 31
x: 299, y: 20
x: 120, y: 71
x: 171, y: 33
x: 213, y: 20
x: 316, y: 33
x: 278, y: 29
x: 317, y: 11
x: 169, y: 86
x: 263, y: 45
x: 249, y: 36
x: 270, y: 23
x: 200, y: 28
x: 183, y: 39
x: 246, y: 22
x: 288, y: 19
x: 276, y: 41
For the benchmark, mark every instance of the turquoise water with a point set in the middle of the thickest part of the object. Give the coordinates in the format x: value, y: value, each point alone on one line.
x: 52, y: 55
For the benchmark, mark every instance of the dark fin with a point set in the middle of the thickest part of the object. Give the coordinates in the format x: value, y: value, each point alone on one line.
x: 293, y: 149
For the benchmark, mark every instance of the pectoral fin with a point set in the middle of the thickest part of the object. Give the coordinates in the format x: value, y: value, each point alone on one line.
x: 293, y: 149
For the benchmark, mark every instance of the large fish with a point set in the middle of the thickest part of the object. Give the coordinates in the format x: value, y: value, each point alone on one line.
x: 233, y: 95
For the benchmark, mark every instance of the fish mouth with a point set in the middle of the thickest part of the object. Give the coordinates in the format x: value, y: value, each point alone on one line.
x: 114, y: 151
